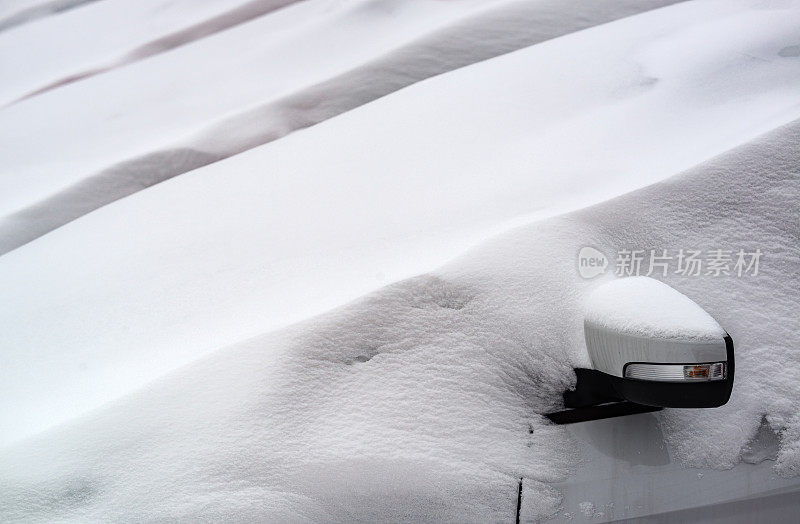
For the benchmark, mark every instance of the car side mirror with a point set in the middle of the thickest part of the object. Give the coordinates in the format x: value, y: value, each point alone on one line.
x: 651, y: 345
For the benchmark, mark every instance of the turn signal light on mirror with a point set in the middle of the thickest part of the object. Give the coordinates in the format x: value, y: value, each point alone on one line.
x: 676, y: 372
x: 714, y: 371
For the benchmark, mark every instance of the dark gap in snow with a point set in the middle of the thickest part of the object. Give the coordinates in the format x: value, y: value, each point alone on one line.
x: 39, y: 11
x: 66, y: 80
x: 96, y: 191
x: 76, y: 495
x: 359, y: 359
x: 437, y: 292
x: 236, y: 16
x: 519, y: 499
x: 763, y: 446
x: 455, y: 303
x: 72, y: 495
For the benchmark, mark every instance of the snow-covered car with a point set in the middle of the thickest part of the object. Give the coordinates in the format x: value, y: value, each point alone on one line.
x: 399, y: 260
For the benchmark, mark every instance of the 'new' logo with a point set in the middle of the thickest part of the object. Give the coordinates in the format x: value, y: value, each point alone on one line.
x: 591, y: 262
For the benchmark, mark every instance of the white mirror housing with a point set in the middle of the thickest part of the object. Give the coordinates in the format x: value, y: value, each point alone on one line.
x: 652, y: 345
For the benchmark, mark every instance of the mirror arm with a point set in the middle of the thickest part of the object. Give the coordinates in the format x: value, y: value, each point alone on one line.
x: 592, y: 388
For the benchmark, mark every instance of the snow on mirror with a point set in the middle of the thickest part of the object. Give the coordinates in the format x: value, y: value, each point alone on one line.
x: 653, y: 347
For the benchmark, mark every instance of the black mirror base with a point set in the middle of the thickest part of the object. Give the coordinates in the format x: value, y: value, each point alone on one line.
x: 610, y: 410
x: 595, y: 387
x: 600, y: 395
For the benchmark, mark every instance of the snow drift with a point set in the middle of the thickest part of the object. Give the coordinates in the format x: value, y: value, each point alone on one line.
x: 140, y: 287
x: 423, y: 400
x: 104, y: 35
x: 227, y: 92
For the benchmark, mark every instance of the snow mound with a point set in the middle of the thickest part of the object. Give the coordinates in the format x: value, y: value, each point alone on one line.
x: 229, y: 91
x: 645, y: 307
x: 392, y: 189
x: 422, y: 400
x: 105, y: 35
x: 113, y: 183
x: 385, y: 409
x: 746, y: 199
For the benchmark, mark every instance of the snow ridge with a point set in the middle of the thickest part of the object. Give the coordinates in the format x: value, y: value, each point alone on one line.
x: 423, y: 400
x: 462, y: 38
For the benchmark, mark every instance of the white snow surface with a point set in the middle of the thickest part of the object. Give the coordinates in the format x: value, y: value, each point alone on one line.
x: 17, y: 12
x: 646, y: 307
x: 392, y: 189
x: 102, y: 35
x: 122, y: 114
x: 421, y: 400
x: 225, y: 93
